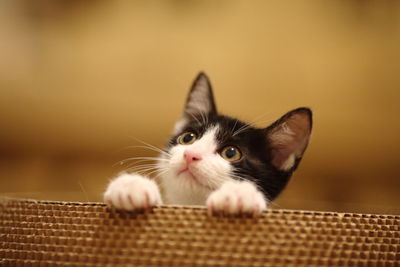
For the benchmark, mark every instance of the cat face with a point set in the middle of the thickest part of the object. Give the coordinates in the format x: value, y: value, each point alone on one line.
x: 208, y: 149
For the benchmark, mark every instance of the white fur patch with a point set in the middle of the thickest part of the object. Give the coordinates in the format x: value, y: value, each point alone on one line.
x: 208, y: 174
x: 236, y: 197
x: 131, y: 192
x: 289, y: 163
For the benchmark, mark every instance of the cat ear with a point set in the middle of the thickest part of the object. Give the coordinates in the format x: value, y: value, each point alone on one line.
x: 200, y: 99
x: 288, y: 138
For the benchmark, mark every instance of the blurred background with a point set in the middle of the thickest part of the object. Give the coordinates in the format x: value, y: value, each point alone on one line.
x: 79, y: 80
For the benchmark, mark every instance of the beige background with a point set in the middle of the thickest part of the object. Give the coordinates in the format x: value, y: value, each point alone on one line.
x: 79, y: 80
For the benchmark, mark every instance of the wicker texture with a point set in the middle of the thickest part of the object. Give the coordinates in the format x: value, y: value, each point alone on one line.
x: 89, y: 234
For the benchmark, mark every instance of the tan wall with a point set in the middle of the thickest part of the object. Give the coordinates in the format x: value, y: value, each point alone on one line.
x: 78, y: 80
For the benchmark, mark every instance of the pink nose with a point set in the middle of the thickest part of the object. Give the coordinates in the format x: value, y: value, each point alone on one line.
x: 191, y: 156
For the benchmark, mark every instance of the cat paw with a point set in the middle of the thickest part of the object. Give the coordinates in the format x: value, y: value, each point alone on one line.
x: 234, y: 198
x: 132, y: 192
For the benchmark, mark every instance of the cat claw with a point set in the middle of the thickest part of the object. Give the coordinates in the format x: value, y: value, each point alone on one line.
x: 132, y: 192
x: 236, y: 198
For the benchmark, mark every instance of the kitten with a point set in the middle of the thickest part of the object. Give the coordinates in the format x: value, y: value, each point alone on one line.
x: 219, y: 161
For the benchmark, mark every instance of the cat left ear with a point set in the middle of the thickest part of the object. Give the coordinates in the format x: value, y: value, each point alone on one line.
x: 288, y: 138
x: 200, y: 99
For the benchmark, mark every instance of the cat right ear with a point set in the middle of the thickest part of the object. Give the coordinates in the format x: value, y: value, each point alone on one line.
x: 200, y: 100
x: 288, y: 138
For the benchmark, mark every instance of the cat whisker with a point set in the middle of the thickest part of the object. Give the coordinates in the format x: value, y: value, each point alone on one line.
x: 151, y: 146
x: 251, y: 124
x: 162, y: 172
x: 133, y: 162
x: 138, y: 171
x: 137, y: 167
x: 234, y: 126
x: 142, y: 161
x: 257, y: 118
x: 242, y: 129
x: 154, y: 171
x: 142, y: 158
x: 144, y: 165
x: 144, y: 171
x: 141, y: 166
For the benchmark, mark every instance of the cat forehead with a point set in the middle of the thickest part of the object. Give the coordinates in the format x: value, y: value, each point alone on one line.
x: 227, y: 127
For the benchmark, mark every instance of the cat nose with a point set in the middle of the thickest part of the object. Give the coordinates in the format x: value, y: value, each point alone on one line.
x: 191, y: 156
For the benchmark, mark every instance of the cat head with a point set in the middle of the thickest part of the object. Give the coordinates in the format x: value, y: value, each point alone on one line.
x: 208, y: 149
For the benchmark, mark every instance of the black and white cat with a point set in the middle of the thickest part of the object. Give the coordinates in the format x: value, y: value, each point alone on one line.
x: 219, y: 161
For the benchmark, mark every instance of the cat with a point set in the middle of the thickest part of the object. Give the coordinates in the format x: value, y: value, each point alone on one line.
x: 230, y: 166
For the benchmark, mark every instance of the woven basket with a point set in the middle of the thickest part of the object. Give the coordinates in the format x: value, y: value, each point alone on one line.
x: 90, y: 234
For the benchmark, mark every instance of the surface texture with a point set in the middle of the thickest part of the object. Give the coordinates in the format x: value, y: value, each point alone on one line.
x: 80, y: 234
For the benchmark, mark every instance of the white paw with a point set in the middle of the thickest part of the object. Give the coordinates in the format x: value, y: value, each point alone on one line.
x: 236, y: 198
x: 132, y: 192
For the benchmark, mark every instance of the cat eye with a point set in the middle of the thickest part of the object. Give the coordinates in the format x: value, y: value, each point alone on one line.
x: 187, y: 138
x: 231, y: 153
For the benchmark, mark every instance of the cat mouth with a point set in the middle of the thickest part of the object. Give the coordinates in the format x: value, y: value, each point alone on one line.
x: 187, y: 171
